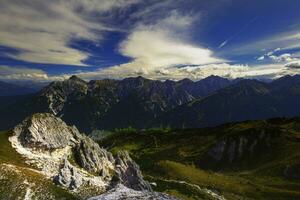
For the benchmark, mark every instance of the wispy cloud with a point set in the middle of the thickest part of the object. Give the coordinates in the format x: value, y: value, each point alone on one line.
x: 223, y: 44
x: 286, y: 41
x: 42, y: 31
x: 278, y: 57
x: 238, y: 32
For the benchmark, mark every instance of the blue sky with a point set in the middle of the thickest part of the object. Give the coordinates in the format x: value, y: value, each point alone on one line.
x: 172, y: 39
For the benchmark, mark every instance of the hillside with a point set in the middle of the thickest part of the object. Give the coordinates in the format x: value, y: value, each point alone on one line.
x: 21, y: 180
x: 247, y: 160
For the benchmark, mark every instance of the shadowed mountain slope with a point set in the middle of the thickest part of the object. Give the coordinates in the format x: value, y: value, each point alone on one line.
x: 108, y: 104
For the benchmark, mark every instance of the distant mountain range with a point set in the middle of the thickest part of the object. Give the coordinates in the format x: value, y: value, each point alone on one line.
x: 9, y: 89
x: 142, y: 103
x: 245, y: 100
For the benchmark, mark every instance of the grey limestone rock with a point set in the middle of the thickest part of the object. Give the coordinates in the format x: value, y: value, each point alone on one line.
x: 129, y: 174
x: 44, y: 131
x: 93, y: 158
x: 68, y: 176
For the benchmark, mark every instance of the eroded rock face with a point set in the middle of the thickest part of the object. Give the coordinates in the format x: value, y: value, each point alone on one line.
x: 43, y: 131
x: 236, y: 149
x: 70, y: 158
x: 129, y: 173
x: 68, y: 176
x: 92, y: 158
x: 57, y: 93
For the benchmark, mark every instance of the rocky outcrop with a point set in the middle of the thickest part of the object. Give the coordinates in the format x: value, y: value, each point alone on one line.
x: 68, y: 176
x: 129, y: 174
x: 121, y: 192
x: 70, y: 158
x: 42, y: 131
x: 92, y: 158
x: 236, y: 149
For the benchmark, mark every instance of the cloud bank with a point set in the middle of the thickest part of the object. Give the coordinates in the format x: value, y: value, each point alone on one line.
x: 9, y: 73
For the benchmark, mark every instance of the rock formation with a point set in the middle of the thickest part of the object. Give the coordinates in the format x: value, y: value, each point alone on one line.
x: 235, y: 148
x: 72, y: 160
x: 128, y: 172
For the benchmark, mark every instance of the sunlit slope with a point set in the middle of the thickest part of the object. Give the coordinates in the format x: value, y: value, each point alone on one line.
x: 247, y: 160
x: 19, y: 181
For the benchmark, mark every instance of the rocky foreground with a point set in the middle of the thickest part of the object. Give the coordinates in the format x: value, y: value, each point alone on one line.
x: 78, y: 164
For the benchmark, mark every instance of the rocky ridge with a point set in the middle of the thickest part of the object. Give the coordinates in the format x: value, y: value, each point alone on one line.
x: 72, y: 160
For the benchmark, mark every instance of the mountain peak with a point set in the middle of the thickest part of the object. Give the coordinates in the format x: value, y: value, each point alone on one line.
x: 138, y: 78
x: 75, y: 78
x: 185, y: 81
x: 213, y: 78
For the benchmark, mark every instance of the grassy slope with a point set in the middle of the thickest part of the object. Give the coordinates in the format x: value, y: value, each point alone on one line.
x: 178, y: 155
x: 17, y: 179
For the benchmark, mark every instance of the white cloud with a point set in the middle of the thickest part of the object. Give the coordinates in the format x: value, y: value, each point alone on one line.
x: 293, y: 65
x: 22, y: 73
x: 43, y: 30
x: 156, y: 48
x: 173, y: 73
x: 280, y: 58
x: 193, y: 72
x: 161, y: 45
x: 261, y: 58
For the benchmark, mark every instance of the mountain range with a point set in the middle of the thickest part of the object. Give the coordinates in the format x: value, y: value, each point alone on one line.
x: 246, y: 100
x: 143, y: 103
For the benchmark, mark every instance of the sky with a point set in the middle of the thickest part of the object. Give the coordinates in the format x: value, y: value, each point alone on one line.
x: 171, y: 39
